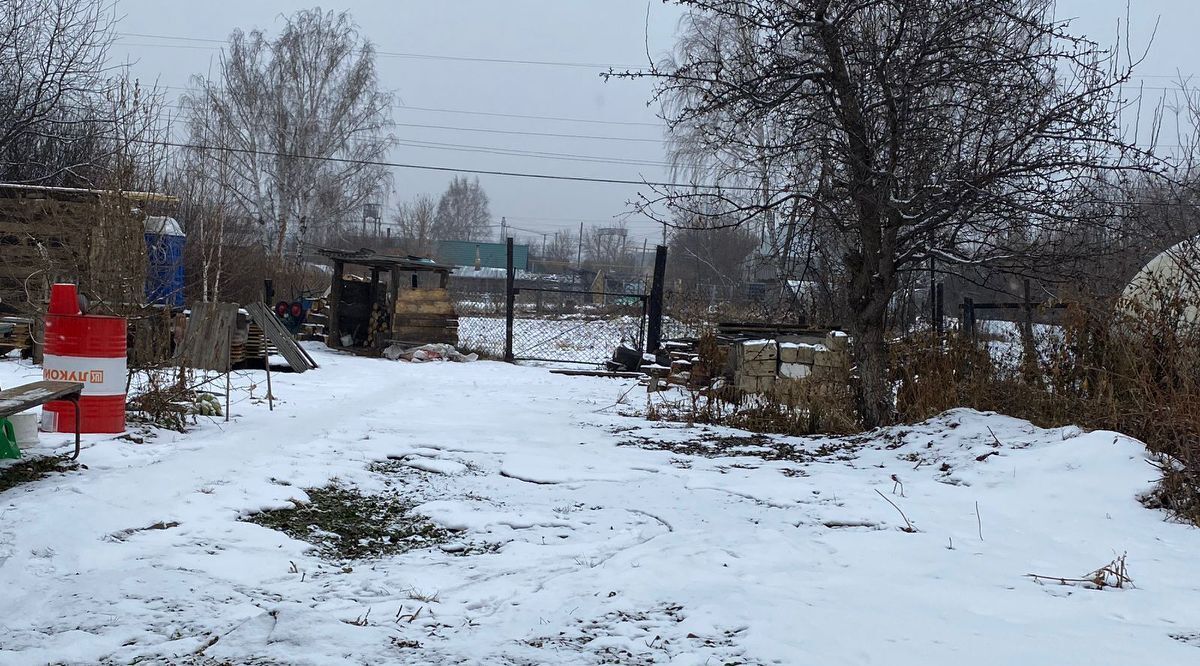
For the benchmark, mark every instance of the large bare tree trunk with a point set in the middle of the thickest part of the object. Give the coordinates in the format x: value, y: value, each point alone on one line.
x: 874, y: 390
x: 872, y: 286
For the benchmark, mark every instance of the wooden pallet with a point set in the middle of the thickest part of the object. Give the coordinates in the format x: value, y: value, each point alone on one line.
x: 425, y: 316
x: 18, y: 337
x: 256, y: 343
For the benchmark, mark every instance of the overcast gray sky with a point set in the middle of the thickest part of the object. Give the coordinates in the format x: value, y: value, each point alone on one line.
x: 569, y: 32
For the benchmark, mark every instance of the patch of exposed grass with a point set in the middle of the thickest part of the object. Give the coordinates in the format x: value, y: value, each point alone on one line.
x: 33, y: 469
x: 346, y: 524
x: 657, y: 637
x: 391, y: 468
x: 195, y: 660
x: 752, y: 446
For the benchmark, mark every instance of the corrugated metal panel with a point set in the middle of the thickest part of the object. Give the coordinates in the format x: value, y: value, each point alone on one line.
x: 279, y: 336
x: 491, y: 255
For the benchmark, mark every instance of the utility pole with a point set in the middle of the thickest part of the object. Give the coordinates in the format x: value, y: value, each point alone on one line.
x: 579, y: 254
x: 503, y: 228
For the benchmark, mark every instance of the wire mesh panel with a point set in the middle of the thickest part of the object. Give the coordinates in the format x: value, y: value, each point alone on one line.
x: 574, y: 326
x: 480, y: 313
x: 683, y: 317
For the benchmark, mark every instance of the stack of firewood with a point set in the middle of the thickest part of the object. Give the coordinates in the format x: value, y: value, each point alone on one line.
x: 14, y: 334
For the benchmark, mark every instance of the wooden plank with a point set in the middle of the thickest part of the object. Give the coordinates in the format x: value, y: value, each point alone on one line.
x: 598, y: 373
x: 209, y: 336
x: 445, y: 309
x: 265, y: 318
x: 21, y: 398
x: 423, y: 296
x: 425, y: 336
x: 417, y: 330
x: 423, y: 320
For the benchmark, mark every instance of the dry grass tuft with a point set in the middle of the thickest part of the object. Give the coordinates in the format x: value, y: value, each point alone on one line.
x: 1115, y: 574
x: 1122, y: 367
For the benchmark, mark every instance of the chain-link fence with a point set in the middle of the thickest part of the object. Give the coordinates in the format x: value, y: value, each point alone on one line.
x: 479, y: 305
x: 572, y: 326
x: 554, y: 321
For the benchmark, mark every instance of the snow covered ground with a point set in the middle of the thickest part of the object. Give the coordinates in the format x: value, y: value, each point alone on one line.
x: 584, y: 534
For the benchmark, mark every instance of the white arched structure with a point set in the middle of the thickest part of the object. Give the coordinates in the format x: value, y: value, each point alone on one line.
x: 1174, y: 273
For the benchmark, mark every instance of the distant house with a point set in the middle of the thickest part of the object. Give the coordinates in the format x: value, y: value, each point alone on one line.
x: 485, y: 255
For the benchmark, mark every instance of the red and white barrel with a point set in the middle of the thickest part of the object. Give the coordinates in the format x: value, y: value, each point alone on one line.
x: 92, y: 350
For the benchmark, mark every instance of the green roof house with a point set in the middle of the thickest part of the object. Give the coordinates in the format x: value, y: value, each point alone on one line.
x: 484, y: 255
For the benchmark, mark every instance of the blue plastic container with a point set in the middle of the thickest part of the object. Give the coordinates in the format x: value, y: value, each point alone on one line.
x: 164, y: 249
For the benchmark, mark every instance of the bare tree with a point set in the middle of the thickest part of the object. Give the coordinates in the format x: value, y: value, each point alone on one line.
x: 608, y: 247
x: 67, y: 115
x: 704, y: 252
x: 462, y: 212
x: 415, y: 223
x: 962, y: 130
x: 561, y: 251
x: 300, y: 123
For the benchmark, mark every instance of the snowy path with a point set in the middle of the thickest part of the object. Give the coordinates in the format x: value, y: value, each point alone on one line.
x: 583, y: 549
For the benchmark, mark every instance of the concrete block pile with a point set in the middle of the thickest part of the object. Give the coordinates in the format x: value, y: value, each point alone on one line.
x: 769, y: 367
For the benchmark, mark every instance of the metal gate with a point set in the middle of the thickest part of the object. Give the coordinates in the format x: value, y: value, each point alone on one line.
x: 572, y: 325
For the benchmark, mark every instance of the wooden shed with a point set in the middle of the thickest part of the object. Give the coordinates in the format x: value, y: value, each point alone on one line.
x: 94, y: 238
x: 377, y: 299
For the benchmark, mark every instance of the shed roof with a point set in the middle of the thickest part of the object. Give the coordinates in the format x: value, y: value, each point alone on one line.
x: 78, y: 193
x: 372, y: 259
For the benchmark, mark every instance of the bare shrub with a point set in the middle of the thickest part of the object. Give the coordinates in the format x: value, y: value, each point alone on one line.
x: 168, y: 398
x: 1131, y: 366
x: 816, y: 405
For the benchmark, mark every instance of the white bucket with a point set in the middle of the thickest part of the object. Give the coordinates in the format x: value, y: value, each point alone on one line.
x: 25, y: 428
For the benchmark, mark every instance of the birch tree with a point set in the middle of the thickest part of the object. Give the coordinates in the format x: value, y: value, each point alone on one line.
x: 300, y: 122
x: 462, y: 212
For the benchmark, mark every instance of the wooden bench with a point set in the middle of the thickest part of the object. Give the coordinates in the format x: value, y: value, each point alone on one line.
x: 28, y: 396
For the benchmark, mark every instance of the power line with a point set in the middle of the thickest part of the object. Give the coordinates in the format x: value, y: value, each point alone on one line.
x: 518, y: 151
x: 510, y: 61
x: 491, y: 114
x: 383, y: 54
x: 405, y: 107
x: 515, y: 132
x: 514, y: 152
x: 167, y: 115
x: 583, y: 158
x: 573, y: 220
x: 1161, y: 76
x: 495, y: 114
x: 425, y: 167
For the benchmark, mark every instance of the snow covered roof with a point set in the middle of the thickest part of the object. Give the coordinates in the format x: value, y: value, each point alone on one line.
x: 82, y: 193
x: 163, y: 226
x: 372, y: 259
